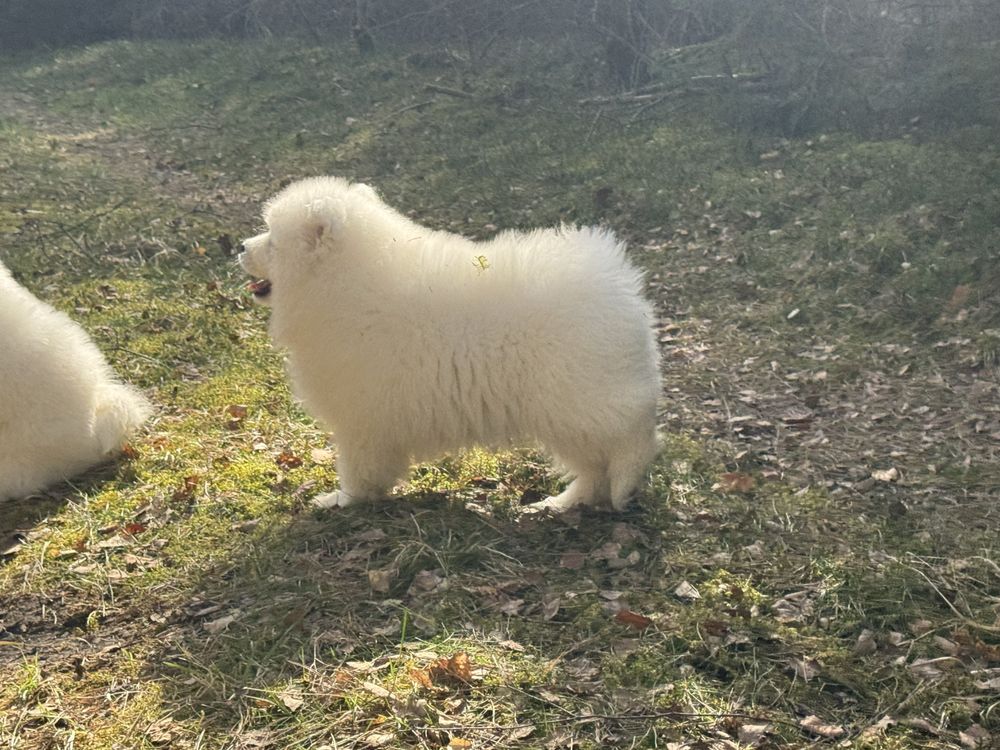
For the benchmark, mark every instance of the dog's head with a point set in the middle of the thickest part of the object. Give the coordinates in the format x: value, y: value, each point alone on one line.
x: 303, y: 222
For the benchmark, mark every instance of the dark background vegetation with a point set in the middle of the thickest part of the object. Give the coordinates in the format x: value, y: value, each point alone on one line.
x: 791, y: 66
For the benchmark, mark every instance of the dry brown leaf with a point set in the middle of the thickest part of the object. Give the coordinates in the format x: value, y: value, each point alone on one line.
x: 921, y: 724
x: 550, y: 607
x: 381, y: 580
x: 959, y: 296
x: 805, y: 668
x: 753, y: 734
x: 217, y: 626
x: 736, y: 481
x: 976, y: 737
x: 633, y: 619
x: 288, y: 460
x: 930, y: 669
x: 185, y: 493
x: 456, y: 667
x: 377, y: 690
x: 237, y: 411
x: 865, y: 644
x: 422, y: 677
x: 572, y: 560
x: 427, y: 580
x: 379, y: 739
x: 815, y: 725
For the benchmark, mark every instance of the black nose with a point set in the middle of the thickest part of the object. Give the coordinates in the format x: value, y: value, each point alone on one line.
x: 241, y: 248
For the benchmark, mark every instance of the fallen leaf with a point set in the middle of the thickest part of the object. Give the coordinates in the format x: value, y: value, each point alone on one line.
x: 929, y: 669
x: 379, y: 739
x: 753, y: 734
x: 921, y: 724
x: 115, y: 542
x: 878, y: 728
x: 736, y: 481
x: 805, y: 668
x: 959, y: 296
x: 976, y: 736
x: 427, y: 580
x: 685, y: 590
x: 288, y: 460
x: 886, y: 475
x: 456, y: 667
x: 865, y: 644
x: 377, y: 690
x: 511, y: 607
x: 633, y: 619
x: 292, y: 701
x: 217, y: 626
x: 185, y: 493
x: 550, y: 607
x: 381, y: 580
x: 237, y: 411
x: 422, y: 677
x: 949, y: 647
x: 458, y: 742
x: 572, y: 560
x: 814, y: 725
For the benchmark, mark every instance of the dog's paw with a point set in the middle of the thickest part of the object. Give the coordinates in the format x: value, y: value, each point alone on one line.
x: 336, y: 499
x: 555, y: 504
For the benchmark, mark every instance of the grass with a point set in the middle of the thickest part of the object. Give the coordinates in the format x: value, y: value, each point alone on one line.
x: 188, y: 596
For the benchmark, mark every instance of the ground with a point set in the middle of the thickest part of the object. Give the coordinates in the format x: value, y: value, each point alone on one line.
x: 814, y: 560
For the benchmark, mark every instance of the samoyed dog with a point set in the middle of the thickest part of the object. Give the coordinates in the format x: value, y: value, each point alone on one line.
x: 408, y: 342
x: 62, y: 410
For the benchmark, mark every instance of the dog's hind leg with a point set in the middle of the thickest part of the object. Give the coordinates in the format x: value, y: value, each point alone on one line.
x: 365, y: 474
x: 629, y: 463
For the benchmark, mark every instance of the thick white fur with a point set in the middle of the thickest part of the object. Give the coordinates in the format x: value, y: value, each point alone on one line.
x: 62, y: 409
x: 409, y: 342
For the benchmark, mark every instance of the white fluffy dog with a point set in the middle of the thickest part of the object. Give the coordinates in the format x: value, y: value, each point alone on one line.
x: 62, y: 410
x: 409, y: 342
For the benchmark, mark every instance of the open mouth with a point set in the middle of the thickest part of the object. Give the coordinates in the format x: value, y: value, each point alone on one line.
x: 260, y: 288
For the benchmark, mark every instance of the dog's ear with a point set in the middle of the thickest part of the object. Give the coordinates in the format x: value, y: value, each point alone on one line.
x: 325, y: 218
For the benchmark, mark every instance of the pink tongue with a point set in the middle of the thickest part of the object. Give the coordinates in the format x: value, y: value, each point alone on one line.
x: 259, y: 287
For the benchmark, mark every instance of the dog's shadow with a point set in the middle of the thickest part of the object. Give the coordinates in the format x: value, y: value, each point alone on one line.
x: 353, y: 584
x: 20, y: 517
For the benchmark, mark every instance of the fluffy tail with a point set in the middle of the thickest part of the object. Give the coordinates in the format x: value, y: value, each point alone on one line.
x: 119, y: 412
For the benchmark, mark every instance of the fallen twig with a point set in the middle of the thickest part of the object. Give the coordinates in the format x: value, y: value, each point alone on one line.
x: 449, y: 91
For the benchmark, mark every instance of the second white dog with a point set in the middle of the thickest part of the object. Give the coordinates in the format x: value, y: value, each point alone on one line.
x: 409, y: 342
x: 62, y: 410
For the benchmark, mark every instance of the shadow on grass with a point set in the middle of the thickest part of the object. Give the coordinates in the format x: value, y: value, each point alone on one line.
x: 329, y: 603
x: 18, y: 516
